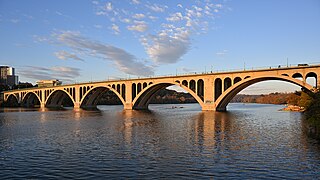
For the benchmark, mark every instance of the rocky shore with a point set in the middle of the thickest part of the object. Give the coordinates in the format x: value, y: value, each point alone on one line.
x: 293, y: 108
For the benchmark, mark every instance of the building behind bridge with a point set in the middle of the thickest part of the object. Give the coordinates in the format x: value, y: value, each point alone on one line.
x: 7, y: 76
x: 48, y: 83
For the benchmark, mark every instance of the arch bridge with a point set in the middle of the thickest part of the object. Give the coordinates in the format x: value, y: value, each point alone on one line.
x: 213, y: 91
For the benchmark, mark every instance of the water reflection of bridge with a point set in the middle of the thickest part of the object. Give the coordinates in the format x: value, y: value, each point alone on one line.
x: 213, y: 91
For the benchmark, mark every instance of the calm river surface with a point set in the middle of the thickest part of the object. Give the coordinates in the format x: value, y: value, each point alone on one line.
x: 250, y: 141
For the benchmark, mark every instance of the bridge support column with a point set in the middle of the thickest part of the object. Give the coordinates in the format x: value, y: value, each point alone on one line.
x: 42, y: 105
x: 208, y: 107
x: 128, y: 104
x: 208, y: 101
x: 76, y: 106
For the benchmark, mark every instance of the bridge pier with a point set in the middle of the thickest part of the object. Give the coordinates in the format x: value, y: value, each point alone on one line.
x: 42, y: 105
x: 76, y: 106
x: 127, y: 106
x: 208, y: 107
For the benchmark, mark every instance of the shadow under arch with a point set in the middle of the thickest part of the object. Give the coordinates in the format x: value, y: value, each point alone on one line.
x: 228, y: 95
x: 91, y: 98
x: 31, y: 99
x: 11, y: 101
x: 59, y: 98
x: 143, y: 99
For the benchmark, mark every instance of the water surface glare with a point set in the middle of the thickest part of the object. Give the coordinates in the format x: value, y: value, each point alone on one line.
x: 250, y: 141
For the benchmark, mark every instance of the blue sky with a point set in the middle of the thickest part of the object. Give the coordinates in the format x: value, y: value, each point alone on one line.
x: 97, y: 40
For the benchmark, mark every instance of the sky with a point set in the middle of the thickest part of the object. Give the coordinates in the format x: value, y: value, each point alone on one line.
x: 79, y: 41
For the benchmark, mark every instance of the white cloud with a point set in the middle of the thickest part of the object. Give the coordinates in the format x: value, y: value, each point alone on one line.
x: 166, y: 37
x: 109, y: 7
x: 222, y: 53
x: 175, y: 17
x: 219, y: 6
x: 135, y: 1
x: 153, y: 18
x: 187, y: 70
x: 139, y: 26
x: 126, y: 20
x: 115, y: 28
x: 123, y: 60
x: 15, y: 21
x: 166, y: 49
x: 157, y: 8
x: 65, y: 55
x: 139, y: 16
x: 98, y: 26
x: 66, y: 74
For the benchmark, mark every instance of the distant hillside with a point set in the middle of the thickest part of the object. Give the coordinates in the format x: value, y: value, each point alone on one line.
x: 273, y: 98
x: 164, y: 96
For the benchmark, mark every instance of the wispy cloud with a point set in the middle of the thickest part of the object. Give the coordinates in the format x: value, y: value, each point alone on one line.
x: 139, y: 26
x: 15, y: 21
x: 164, y: 48
x: 115, y: 29
x: 139, y: 16
x: 65, y: 55
x: 166, y: 37
x: 66, y: 74
x: 123, y: 60
x: 98, y: 26
x: 157, y: 7
x: 135, y: 1
x: 222, y: 53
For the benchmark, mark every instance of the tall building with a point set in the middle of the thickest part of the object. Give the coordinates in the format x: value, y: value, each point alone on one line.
x: 7, y: 76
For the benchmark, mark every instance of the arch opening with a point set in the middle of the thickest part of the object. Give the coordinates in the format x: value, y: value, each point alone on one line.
x: 144, y: 85
x: 185, y: 83
x: 59, y: 99
x: 236, y: 80
x: 123, y: 91
x: 297, y: 76
x: 192, y: 85
x: 224, y: 100
x: 134, y: 90
x: 12, y: 101
x: 30, y: 100
x: 138, y: 88
x: 311, y: 78
x: 227, y: 83
x: 217, y: 88
x: 165, y: 93
x: 100, y: 96
x: 200, y: 88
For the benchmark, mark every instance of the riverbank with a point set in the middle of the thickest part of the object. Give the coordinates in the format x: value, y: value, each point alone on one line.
x: 312, y: 114
x: 293, y: 108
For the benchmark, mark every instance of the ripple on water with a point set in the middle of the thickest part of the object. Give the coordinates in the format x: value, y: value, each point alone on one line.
x: 250, y: 142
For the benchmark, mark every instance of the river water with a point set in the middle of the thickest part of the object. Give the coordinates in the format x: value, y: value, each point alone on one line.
x: 250, y: 141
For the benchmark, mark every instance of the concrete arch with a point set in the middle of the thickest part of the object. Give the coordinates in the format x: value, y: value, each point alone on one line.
x: 12, y: 100
x: 56, y: 97
x: 297, y: 75
x: 98, y: 91
x: 27, y: 102
x: 227, y: 83
x: 222, y: 102
x: 311, y: 74
x: 236, y: 80
x: 142, y: 99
